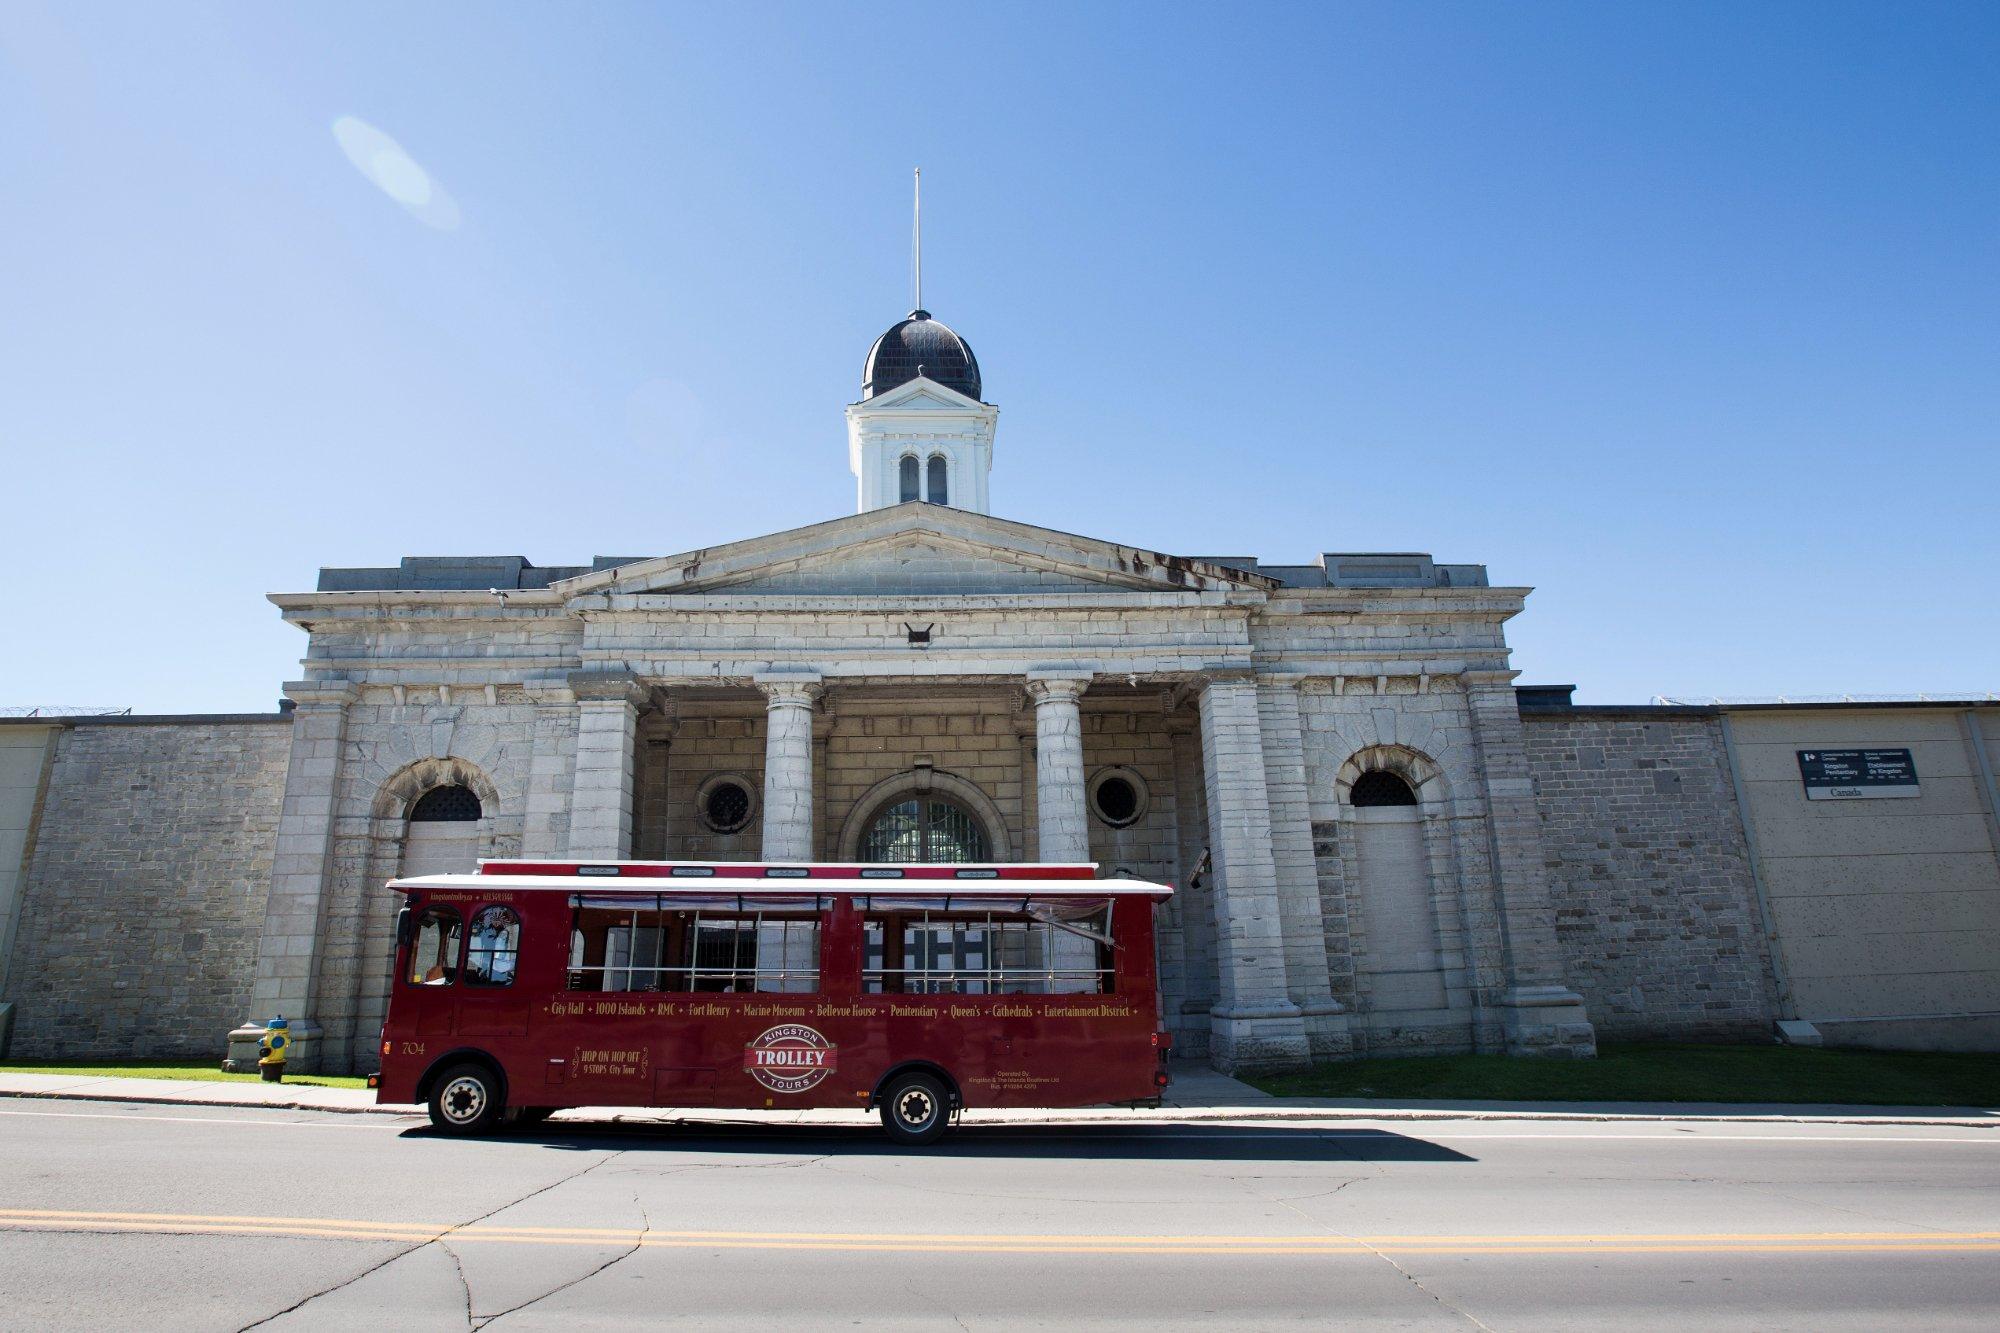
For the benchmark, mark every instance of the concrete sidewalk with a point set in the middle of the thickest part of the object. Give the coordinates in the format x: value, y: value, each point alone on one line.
x: 1198, y: 1095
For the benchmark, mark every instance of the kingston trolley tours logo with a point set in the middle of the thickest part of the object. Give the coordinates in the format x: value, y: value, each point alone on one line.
x: 790, y: 1057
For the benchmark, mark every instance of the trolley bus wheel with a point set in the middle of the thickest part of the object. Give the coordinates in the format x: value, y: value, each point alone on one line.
x: 915, y: 1110
x: 466, y: 1100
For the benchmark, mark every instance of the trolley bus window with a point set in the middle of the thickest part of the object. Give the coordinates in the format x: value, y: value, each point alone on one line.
x: 922, y: 952
x: 493, y: 947
x: 620, y: 948
x: 434, y: 955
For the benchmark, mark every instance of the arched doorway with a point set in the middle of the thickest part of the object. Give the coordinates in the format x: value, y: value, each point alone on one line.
x: 444, y: 836
x: 924, y: 827
x: 1399, y: 969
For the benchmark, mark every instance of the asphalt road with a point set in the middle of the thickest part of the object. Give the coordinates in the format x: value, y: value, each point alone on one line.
x: 158, y: 1217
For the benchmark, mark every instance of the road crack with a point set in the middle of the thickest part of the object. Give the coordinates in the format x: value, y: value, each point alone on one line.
x: 638, y: 1241
x: 433, y: 1240
x: 932, y: 1300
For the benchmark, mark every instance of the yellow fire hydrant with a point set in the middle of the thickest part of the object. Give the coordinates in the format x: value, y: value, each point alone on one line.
x: 271, y: 1055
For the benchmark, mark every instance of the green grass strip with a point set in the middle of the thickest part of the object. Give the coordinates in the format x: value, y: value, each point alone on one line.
x: 1659, y: 1072
x: 172, y: 1069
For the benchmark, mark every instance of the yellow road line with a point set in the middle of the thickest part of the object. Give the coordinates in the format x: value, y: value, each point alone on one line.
x: 419, y: 1233
x: 626, y: 1233
x: 1304, y: 1246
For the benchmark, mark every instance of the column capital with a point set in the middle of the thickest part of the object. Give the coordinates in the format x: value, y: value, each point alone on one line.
x: 607, y: 687
x: 322, y: 693
x: 1057, y: 684
x: 789, y: 689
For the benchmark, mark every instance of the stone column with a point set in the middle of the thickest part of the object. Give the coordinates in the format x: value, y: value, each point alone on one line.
x: 1063, y: 826
x: 789, y: 698
x: 551, y: 770
x: 1307, y: 979
x: 607, y: 721
x: 301, y: 874
x: 1542, y: 1015
x: 1255, y: 1026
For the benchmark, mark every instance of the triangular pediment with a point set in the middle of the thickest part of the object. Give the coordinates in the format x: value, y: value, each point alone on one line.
x: 926, y: 402
x: 915, y: 550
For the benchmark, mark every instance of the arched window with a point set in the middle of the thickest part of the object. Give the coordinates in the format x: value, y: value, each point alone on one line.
x: 1381, y: 787
x: 446, y: 805
x: 940, y: 489
x: 924, y: 829
x: 906, y: 473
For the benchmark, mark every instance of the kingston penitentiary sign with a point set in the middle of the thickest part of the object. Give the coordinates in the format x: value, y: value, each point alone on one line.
x: 1852, y: 775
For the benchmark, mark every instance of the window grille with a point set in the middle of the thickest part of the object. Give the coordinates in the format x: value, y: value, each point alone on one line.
x: 1380, y: 787
x: 924, y: 830
x: 991, y: 953
x: 725, y: 806
x: 647, y: 949
x: 446, y: 805
x: 906, y: 474
x: 939, y: 473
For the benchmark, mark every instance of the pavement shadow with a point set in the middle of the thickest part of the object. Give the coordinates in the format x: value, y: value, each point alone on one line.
x: 1095, y: 1141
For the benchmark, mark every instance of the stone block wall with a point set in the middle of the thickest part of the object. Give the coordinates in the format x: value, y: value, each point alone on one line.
x: 144, y: 899
x: 674, y: 759
x: 1649, y: 874
x: 979, y: 740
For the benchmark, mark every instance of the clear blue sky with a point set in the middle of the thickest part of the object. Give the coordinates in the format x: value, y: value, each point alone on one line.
x: 1689, y: 315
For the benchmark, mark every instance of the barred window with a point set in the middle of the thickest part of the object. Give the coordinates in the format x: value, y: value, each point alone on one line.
x: 1118, y: 796
x: 446, y: 805
x: 924, y: 829
x: 986, y: 953
x: 615, y: 947
x: 1380, y: 787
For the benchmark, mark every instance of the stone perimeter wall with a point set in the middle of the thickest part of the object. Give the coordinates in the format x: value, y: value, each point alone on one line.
x: 1649, y: 875
x: 144, y: 899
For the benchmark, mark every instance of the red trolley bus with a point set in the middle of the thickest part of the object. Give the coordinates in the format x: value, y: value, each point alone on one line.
x: 912, y: 989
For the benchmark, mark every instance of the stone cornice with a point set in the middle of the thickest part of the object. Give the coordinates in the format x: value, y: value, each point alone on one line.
x: 593, y: 687
x: 600, y: 606
x: 1397, y: 603
x: 493, y: 602
x: 322, y: 693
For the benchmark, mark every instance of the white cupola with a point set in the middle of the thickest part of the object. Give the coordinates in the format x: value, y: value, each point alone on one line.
x: 920, y: 431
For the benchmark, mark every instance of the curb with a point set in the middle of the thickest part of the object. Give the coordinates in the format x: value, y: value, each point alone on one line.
x: 232, y: 1104
x: 1168, y: 1115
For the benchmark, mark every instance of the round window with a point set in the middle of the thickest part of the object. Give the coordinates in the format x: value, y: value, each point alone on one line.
x: 725, y: 803
x: 1118, y: 796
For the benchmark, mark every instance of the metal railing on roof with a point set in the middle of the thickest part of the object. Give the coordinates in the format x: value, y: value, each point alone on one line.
x: 61, y: 710
x: 1919, y: 697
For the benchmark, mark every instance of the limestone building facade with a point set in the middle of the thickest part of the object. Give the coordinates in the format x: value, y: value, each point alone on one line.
x: 1381, y: 844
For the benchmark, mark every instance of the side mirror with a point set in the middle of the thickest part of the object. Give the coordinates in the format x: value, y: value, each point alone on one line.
x: 405, y: 925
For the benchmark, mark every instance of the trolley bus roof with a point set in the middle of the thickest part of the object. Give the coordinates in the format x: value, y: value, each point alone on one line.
x: 725, y: 880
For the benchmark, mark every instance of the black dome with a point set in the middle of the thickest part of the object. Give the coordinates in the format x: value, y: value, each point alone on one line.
x: 920, y: 342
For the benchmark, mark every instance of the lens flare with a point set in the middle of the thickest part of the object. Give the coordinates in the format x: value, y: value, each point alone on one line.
x: 395, y: 173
